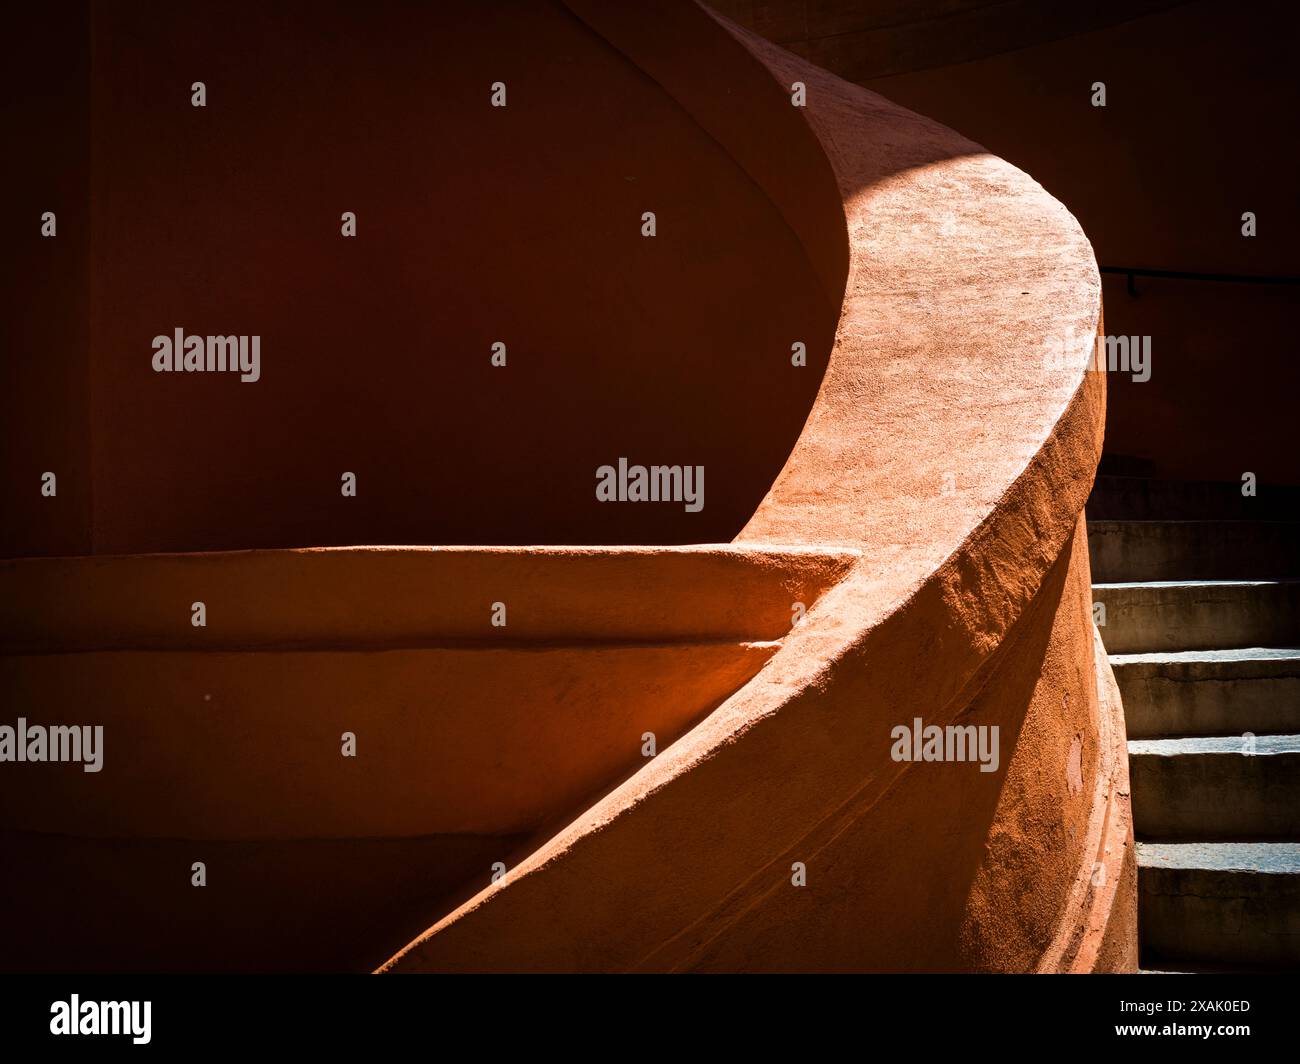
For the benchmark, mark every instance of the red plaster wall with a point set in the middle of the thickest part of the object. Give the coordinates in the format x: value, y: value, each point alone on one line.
x: 475, y: 225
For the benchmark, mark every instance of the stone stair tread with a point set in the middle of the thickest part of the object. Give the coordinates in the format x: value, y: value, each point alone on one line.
x: 1216, y: 787
x: 1174, y: 657
x: 1151, y: 616
x: 1215, y: 904
x: 1191, y: 583
x: 1172, y: 693
x: 1182, y: 746
x: 1262, y: 858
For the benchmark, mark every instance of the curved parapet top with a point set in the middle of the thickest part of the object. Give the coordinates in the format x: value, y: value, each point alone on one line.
x: 953, y: 441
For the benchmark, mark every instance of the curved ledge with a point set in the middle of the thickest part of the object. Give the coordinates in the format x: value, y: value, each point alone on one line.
x: 401, y: 597
x: 401, y: 648
x: 969, y: 603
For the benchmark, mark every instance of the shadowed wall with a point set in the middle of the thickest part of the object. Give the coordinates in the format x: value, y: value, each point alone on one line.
x: 475, y: 225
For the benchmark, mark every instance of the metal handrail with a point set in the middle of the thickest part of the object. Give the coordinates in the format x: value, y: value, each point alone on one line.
x: 1185, y: 275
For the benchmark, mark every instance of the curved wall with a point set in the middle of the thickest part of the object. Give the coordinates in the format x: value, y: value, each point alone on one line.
x: 936, y: 489
x: 970, y: 605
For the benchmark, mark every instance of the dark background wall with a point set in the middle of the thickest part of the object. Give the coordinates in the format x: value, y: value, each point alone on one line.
x: 45, y: 283
x: 475, y: 224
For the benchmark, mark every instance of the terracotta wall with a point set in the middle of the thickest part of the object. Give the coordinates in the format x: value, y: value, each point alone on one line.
x: 475, y: 225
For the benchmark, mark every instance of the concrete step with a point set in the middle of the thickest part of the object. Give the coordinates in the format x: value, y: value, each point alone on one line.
x: 1210, y: 692
x: 1224, y: 903
x: 1129, y: 498
x: 1227, y: 786
x: 1142, y: 617
x: 1193, y: 550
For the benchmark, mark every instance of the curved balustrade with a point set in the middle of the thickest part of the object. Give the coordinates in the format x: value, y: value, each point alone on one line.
x: 712, y: 757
